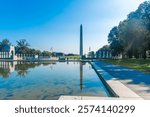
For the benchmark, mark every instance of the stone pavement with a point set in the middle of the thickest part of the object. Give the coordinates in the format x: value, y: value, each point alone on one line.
x: 137, y: 81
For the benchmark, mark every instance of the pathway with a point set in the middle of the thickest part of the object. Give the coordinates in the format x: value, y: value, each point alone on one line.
x: 137, y: 81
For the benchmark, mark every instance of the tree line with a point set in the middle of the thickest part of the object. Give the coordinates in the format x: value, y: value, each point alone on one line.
x: 131, y: 38
x: 22, y: 47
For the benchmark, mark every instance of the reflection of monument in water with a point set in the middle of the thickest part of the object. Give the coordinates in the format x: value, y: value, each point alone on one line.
x: 6, y: 68
x: 21, y: 67
x: 10, y: 66
x: 81, y: 74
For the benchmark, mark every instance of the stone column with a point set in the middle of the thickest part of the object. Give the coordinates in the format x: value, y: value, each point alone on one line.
x: 81, y: 41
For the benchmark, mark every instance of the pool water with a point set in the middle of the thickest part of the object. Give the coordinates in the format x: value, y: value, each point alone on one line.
x: 48, y: 81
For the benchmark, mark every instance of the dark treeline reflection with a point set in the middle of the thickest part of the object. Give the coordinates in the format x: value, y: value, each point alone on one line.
x: 4, y: 73
x: 22, y: 68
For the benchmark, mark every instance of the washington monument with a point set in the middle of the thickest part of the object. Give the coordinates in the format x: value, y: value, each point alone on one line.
x: 81, y: 41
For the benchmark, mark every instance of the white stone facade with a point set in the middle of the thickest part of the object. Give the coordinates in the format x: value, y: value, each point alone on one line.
x: 103, y: 54
x: 8, y: 54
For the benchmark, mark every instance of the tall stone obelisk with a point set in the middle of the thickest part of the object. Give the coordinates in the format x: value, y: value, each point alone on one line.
x: 81, y: 41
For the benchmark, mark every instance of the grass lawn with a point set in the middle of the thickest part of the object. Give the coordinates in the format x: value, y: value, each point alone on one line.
x: 73, y: 57
x: 138, y: 64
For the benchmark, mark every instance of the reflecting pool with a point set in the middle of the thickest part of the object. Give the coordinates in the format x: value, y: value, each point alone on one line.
x: 48, y: 81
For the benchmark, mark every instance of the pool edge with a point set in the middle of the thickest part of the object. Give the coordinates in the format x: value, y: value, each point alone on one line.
x: 116, y: 88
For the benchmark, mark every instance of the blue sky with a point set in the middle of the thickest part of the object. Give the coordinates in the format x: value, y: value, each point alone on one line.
x: 55, y: 24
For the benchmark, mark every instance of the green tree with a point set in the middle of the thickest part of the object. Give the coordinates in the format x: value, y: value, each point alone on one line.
x: 46, y: 53
x: 113, y: 40
x: 132, y: 36
x: 22, y: 46
x: 4, y: 43
x: 38, y: 52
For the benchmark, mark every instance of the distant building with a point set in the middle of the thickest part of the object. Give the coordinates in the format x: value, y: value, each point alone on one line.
x: 104, y: 53
x: 7, y: 52
x: 58, y: 54
x: 91, y: 55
